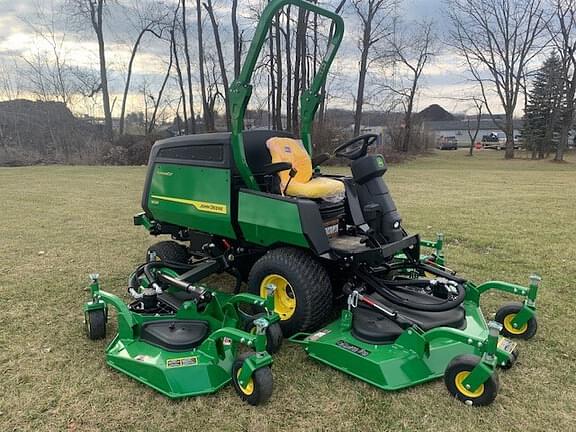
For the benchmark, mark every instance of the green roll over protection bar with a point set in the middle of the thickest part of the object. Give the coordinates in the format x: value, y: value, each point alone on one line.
x: 241, y: 89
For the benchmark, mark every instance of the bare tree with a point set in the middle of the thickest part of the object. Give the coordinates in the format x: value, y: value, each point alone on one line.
x: 498, y: 39
x: 224, y: 76
x: 237, y: 39
x: 375, y: 23
x: 563, y: 32
x: 412, y: 49
x: 150, y: 21
x: 93, y: 11
x: 188, y: 68
x: 206, y: 112
x: 158, y: 99
x: 473, y: 127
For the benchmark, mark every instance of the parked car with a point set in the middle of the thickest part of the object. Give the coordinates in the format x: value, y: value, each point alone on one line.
x: 495, y: 141
x: 447, y: 143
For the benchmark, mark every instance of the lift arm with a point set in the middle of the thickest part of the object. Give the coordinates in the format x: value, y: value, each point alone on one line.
x: 241, y: 88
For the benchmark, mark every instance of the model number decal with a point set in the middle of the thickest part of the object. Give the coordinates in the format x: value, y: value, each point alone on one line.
x: 181, y: 362
x: 353, y: 348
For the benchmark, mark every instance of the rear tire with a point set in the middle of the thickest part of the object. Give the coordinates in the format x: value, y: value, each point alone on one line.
x: 304, y: 302
x: 169, y: 251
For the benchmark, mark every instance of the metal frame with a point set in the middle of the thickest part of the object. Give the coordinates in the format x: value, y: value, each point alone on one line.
x: 241, y: 89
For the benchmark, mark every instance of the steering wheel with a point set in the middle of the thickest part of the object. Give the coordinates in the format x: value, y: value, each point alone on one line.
x: 356, y: 147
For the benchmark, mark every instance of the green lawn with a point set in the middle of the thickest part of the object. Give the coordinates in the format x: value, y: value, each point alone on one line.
x: 502, y: 219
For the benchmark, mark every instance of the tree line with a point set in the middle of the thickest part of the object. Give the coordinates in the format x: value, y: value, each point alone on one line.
x: 202, y: 43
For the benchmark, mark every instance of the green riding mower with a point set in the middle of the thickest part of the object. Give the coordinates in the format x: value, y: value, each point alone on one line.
x: 318, y: 247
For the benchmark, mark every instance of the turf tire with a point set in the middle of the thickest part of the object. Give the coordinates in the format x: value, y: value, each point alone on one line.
x: 309, y: 282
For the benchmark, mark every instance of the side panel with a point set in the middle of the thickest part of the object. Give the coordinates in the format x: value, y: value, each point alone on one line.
x: 267, y: 220
x: 195, y: 197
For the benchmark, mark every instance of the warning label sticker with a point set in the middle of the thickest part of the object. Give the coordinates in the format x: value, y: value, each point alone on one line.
x: 181, y: 362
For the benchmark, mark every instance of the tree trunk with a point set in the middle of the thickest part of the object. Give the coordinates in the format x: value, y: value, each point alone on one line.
x: 128, y: 78
x: 161, y: 92
x: 272, y: 80
x: 509, y: 131
x: 236, y: 36
x: 279, y: 78
x: 207, y: 114
x: 221, y: 62
x: 98, y: 28
x: 188, y: 69
x: 180, y: 81
x: 288, y: 44
x: 362, y: 76
x: 360, y: 92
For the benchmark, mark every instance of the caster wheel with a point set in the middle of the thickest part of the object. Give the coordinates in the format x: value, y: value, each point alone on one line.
x: 95, y: 321
x: 513, y: 358
x: 274, y: 335
x: 458, y: 370
x: 259, y: 389
x: 506, y: 314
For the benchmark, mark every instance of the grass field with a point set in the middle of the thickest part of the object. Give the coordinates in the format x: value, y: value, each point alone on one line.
x: 502, y: 220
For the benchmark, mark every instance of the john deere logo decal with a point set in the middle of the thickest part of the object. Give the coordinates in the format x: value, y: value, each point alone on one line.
x: 198, y: 205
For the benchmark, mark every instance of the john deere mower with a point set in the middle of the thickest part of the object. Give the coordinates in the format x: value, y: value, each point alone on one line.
x: 318, y: 243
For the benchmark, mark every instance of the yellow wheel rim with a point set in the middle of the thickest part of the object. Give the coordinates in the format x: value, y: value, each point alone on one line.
x: 510, y: 328
x: 248, y: 389
x: 284, y: 298
x: 459, y: 381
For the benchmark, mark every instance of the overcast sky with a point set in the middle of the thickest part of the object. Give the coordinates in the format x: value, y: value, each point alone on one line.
x: 443, y: 79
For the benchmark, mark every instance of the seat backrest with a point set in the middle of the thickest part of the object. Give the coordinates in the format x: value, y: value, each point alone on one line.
x: 257, y: 155
x: 291, y: 150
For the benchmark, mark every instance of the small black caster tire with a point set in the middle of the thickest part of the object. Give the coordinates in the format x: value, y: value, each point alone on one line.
x: 506, y: 314
x: 168, y: 251
x: 513, y: 359
x: 274, y: 336
x: 260, y: 387
x: 95, y: 323
x: 457, y: 371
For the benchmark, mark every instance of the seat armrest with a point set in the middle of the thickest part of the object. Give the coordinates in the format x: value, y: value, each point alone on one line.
x: 275, y: 168
x: 320, y: 159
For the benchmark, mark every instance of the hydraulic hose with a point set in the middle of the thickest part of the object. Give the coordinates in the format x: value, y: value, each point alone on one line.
x: 387, y: 288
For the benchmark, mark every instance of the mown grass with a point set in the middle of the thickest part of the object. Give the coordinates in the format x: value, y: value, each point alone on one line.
x: 502, y: 220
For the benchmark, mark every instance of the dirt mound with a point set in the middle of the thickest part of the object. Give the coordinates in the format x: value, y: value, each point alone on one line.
x: 44, y: 132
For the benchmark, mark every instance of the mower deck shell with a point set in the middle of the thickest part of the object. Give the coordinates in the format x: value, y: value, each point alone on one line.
x: 395, y: 366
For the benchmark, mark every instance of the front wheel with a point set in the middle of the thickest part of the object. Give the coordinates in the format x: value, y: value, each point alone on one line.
x: 95, y: 324
x: 259, y: 388
x: 274, y: 335
x: 302, y: 289
x: 457, y: 372
x: 506, y: 315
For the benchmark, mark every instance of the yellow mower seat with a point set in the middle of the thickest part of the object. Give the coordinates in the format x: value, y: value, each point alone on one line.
x: 303, y: 185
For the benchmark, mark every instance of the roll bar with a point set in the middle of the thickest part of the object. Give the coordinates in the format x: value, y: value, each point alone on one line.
x: 241, y: 88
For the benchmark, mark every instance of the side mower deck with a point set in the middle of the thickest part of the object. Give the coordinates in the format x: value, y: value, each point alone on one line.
x: 406, y: 362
